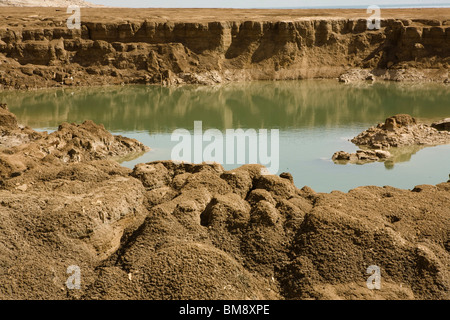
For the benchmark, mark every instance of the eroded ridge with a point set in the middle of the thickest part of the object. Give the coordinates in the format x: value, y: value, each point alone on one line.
x: 143, y: 46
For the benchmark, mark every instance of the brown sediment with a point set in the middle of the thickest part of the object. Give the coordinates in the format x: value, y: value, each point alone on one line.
x: 22, y: 148
x: 196, y: 231
x: 206, y: 46
x: 400, y: 132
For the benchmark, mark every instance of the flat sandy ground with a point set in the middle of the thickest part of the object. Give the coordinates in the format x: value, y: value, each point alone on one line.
x: 14, y: 16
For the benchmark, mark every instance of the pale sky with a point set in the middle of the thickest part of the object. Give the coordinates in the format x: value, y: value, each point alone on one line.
x: 266, y: 3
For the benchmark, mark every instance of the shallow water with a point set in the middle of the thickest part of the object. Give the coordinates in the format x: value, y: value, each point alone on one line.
x: 315, y: 118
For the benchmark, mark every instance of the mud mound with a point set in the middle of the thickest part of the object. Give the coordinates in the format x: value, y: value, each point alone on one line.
x: 8, y: 120
x: 200, y: 232
x: 302, y: 244
x: 50, y: 220
x: 89, y: 141
x: 401, y: 130
x: 168, y: 230
x: 22, y: 149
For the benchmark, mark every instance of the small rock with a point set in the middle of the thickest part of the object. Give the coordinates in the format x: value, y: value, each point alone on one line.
x: 341, y: 155
x: 377, y: 146
x: 442, y: 125
x: 59, y: 77
x: 27, y: 70
x: 22, y: 187
x: 367, y: 155
x: 288, y: 176
x: 68, y: 81
x: 382, y: 154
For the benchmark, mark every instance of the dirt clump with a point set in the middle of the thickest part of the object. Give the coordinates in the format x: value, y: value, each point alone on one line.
x: 401, y: 132
x: 443, y: 124
x: 22, y: 148
x: 361, y: 156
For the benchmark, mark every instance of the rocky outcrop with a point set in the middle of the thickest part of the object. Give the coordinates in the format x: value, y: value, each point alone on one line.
x: 46, y: 53
x: 442, y: 125
x: 182, y: 231
x: 8, y: 120
x: 361, y: 156
x: 22, y: 148
x: 399, y: 131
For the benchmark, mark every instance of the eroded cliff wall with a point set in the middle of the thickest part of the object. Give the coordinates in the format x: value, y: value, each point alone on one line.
x: 146, y: 51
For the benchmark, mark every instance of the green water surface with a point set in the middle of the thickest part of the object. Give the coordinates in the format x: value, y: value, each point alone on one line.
x: 315, y: 118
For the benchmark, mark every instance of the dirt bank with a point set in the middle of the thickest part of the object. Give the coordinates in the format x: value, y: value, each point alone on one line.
x: 186, y: 231
x: 169, y: 46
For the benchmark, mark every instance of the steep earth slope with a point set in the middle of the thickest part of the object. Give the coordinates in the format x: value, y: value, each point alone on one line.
x: 165, y: 46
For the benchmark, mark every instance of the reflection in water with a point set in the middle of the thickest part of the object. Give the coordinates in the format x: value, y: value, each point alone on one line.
x: 283, y: 104
x: 402, y: 154
x: 315, y: 118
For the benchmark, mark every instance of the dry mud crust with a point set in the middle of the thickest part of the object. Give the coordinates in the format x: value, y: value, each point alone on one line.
x: 22, y: 148
x: 182, y: 231
x: 207, y: 46
x: 399, y: 131
x: 168, y: 230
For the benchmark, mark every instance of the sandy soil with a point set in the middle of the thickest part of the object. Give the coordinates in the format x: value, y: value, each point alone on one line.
x: 108, y: 15
x: 45, y: 3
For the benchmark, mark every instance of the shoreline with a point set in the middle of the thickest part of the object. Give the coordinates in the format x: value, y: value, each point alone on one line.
x: 355, y: 81
x: 112, y: 86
